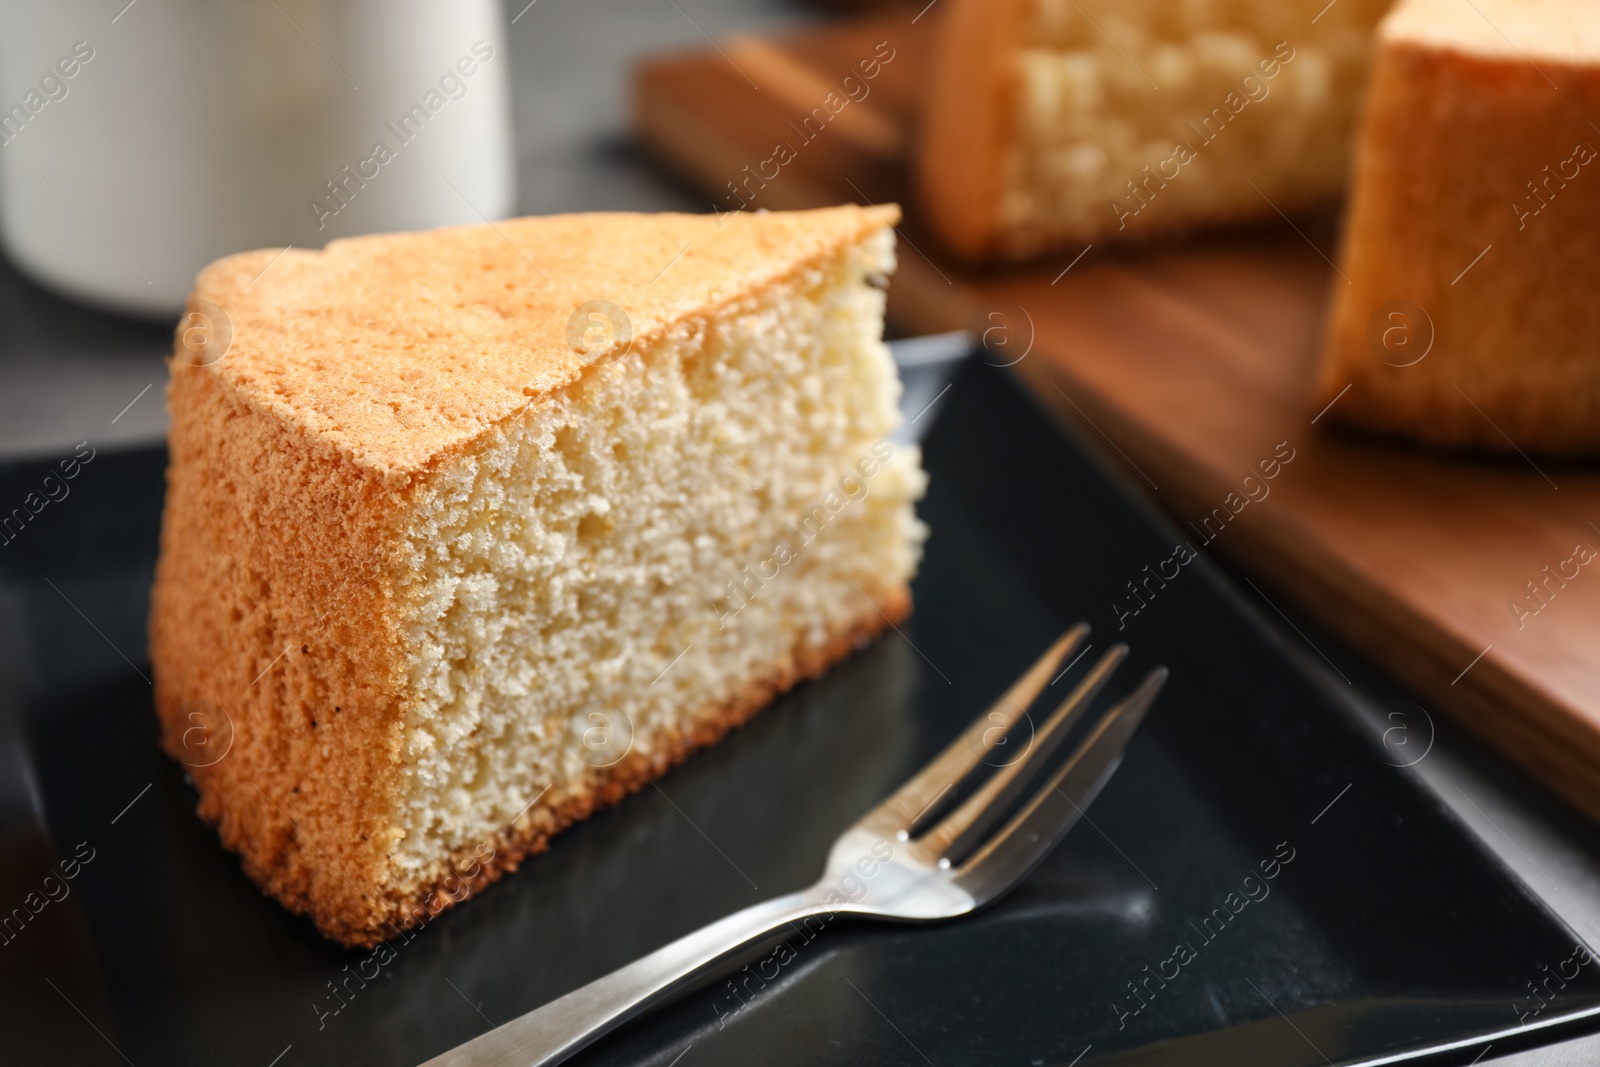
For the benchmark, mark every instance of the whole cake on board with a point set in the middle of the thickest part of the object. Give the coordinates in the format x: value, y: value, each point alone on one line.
x: 1466, y: 313
x: 470, y: 532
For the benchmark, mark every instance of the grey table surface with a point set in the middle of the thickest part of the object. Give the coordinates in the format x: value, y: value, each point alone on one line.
x: 69, y: 374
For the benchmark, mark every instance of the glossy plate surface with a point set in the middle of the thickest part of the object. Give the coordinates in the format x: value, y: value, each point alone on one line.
x: 1152, y: 936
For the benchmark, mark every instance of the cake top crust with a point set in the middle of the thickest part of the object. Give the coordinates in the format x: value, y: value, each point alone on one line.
x: 400, y: 349
x: 1522, y: 30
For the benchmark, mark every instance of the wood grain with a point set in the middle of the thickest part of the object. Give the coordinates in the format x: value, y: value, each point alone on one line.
x: 1194, y: 363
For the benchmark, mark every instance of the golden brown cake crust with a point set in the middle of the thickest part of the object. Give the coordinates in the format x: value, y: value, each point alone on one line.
x: 275, y: 638
x: 968, y: 123
x: 1457, y: 128
x: 275, y: 655
x: 399, y: 349
x: 299, y: 880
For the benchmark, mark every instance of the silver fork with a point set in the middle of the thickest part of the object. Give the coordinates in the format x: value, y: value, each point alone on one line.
x: 899, y: 862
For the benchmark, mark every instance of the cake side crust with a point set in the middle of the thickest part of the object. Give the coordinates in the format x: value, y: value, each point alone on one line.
x: 969, y: 125
x: 1450, y: 136
x: 273, y: 642
x: 466, y: 873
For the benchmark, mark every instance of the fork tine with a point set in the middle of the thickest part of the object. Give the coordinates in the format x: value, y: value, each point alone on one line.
x: 896, y: 815
x: 1059, y: 803
x: 967, y: 825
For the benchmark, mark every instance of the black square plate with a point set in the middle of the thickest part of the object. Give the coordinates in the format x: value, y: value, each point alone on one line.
x: 1259, y: 884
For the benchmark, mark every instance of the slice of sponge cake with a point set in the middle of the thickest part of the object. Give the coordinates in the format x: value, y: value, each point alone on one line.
x: 1472, y: 253
x: 470, y: 532
x: 1050, y: 124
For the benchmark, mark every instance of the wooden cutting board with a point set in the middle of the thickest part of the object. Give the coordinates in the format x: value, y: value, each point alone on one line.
x: 1193, y: 364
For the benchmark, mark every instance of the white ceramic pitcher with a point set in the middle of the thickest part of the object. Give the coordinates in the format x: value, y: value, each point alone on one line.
x: 138, y: 143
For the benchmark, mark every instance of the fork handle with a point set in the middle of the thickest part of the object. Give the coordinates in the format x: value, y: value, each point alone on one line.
x: 550, y: 1034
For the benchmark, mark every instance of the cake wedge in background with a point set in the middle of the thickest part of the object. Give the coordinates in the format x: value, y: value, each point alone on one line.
x: 470, y: 532
x: 1472, y: 251
x: 1051, y: 124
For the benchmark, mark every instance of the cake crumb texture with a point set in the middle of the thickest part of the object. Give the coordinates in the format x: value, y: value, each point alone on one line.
x: 1050, y: 124
x: 448, y: 584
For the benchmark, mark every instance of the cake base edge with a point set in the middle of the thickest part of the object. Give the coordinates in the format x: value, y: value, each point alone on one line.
x: 464, y: 874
